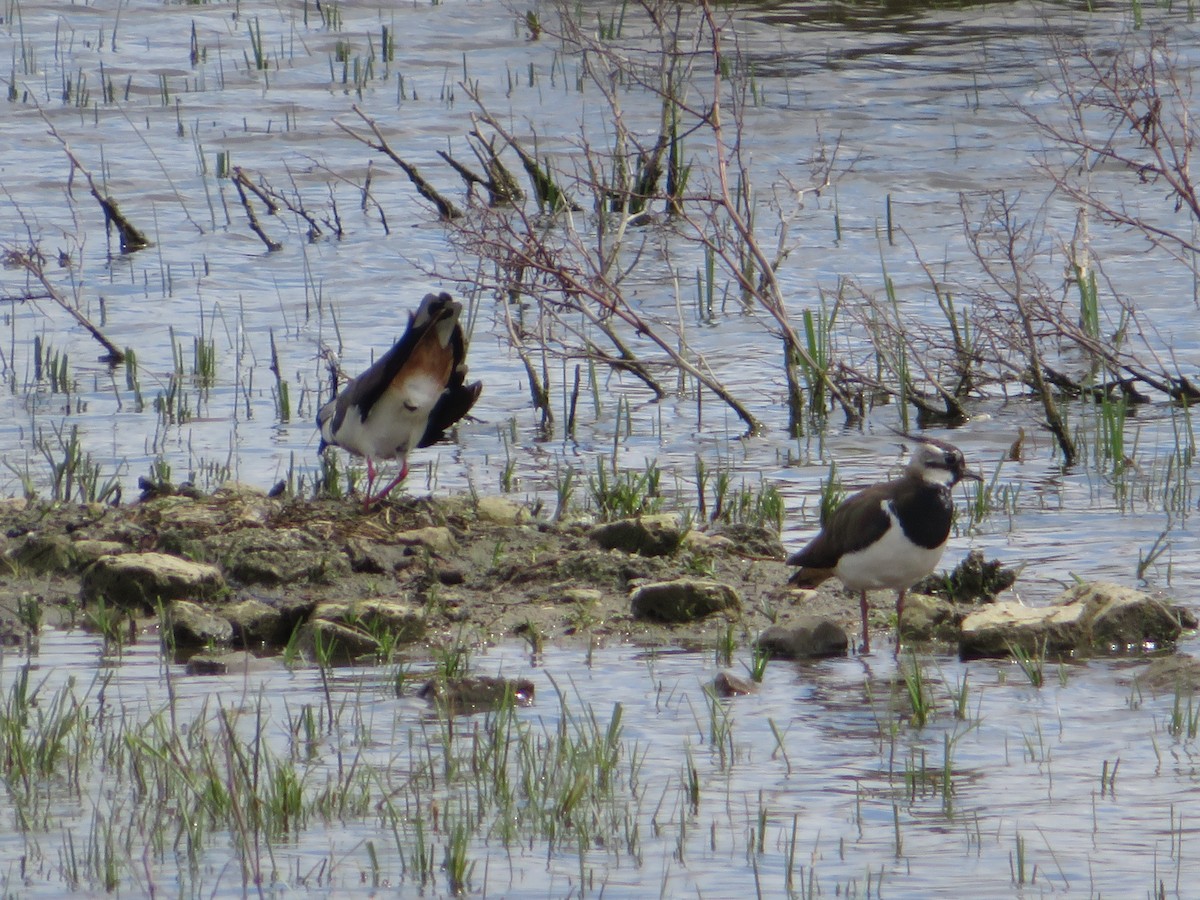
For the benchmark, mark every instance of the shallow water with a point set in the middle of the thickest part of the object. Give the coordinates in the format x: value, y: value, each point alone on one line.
x: 925, y: 103
x: 849, y: 790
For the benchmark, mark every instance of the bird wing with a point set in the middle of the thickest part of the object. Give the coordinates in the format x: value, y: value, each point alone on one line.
x: 454, y: 403
x: 371, y: 384
x: 458, y: 398
x: 332, y: 414
x: 857, y: 522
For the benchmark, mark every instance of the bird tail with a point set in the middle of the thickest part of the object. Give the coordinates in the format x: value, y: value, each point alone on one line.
x: 805, y: 577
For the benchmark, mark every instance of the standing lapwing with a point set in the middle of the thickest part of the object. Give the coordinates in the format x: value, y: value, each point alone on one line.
x: 409, y: 397
x: 891, y: 534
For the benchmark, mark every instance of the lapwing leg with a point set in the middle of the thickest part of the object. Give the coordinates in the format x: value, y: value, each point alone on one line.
x: 899, y: 615
x: 395, y: 481
x: 862, y: 605
x: 370, y: 482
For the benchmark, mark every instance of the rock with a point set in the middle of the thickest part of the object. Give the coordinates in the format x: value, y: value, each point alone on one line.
x: 372, y: 558
x: 1179, y: 673
x: 451, y: 575
x: 193, y: 626
x: 44, y: 553
x: 254, y: 622
x: 270, y: 556
x: 701, y: 542
x: 658, y: 535
x: 1099, y: 616
x: 582, y: 596
x: 993, y: 630
x: 683, y: 600
x: 234, y: 663
x: 241, y: 490
x: 751, y: 540
x: 340, y: 642
x: 231, y: 507
x: 144, y: 580
x: 438, y: 539
x: 727, y: 684
x: 501, y: 511
x: 474, y: 692
x: 1122, y: 618
x: 929, y: 618
x: 398, y: 620
x: 807, y: 637
x: 88, y: 551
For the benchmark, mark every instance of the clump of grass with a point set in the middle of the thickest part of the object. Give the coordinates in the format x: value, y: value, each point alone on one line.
x: 110, y: 623
x: 564, y: 488
x: 619, y: 495
x: 1184, y: 722
x: 256, y: 45
x: 763, y: 508
x: 917, y: 690
x: 818, y: 337
x: 1032, y: 664
x: 74, y: 473
x: 331, y: 481
x: 832, y: 493
x: 759, y: 658
x: 283, y: 403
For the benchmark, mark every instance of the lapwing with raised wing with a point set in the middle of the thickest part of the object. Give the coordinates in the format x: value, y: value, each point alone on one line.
x: 408, y: 398
x: 889, y: 535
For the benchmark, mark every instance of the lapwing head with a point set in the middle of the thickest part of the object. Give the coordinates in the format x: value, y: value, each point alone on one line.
x: 938, y: 462
x: 440, y: 309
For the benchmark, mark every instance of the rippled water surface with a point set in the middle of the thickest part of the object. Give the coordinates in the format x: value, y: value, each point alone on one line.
x: 923, y: 105
x: 817, y: 784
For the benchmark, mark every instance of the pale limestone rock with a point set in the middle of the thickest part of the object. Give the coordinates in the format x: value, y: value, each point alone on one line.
x: 146, y: 579
x: 501, y: 511
x: 1095, y: 616
x: 437, y: 539
x: 194, y: 626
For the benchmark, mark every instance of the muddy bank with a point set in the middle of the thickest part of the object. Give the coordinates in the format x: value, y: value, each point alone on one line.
x: 241, y: 569
x: 483, y: 570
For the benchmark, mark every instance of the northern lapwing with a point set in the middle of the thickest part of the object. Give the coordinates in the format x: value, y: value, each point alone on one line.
x: 891, y: 534
x: 409, y: 397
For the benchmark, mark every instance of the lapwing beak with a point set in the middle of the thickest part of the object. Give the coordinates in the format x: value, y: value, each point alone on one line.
x: 968, y: 474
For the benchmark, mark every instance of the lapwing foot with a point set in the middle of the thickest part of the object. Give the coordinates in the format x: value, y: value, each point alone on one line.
x: 370, y: 501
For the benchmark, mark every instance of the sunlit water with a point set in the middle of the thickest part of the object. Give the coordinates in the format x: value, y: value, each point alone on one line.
x: 1076, y: 787
x: 924, y: 102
